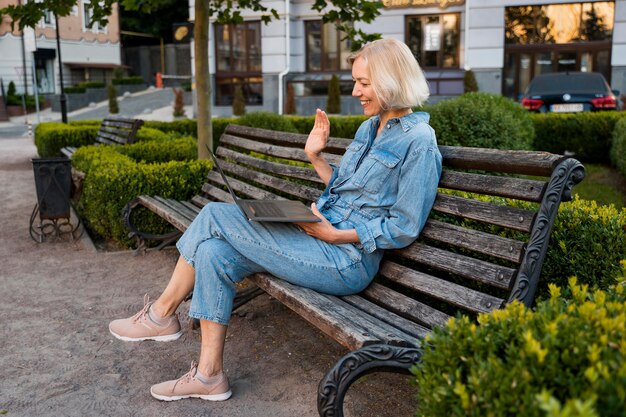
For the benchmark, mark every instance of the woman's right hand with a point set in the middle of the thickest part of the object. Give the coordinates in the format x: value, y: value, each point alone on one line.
x: 318, y: 137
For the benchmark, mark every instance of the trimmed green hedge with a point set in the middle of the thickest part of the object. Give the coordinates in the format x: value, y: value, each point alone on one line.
x: 618, y: 147
x: 482, y: 120
x: 114, y: 175
x: 50, y: 137
x: 128, y: 80
x: 588, y: 135
x: 565, y: 359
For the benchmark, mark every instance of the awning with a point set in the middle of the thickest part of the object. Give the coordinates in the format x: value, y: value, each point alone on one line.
x: 102, y: 65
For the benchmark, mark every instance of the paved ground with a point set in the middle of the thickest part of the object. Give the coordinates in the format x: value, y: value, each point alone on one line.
x: 58, y: 359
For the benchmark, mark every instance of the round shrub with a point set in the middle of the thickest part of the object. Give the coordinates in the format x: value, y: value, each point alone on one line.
x: 482, y: 120
x: 588, y: 240
x: 147, y: 134
x: 267, y: 120
x: 618, y: 146
x: 50, y: 137
x: 566, y: 358
x: 162, y: 150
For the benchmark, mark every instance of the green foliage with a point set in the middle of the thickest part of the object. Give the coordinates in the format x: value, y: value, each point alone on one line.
x: 128, y: 80
x: 50, y: 137
x: 29, y: 101
x: 239, y: 102
x: 482, y: 120
x: 469, y: 82
x: 587, y: 134
x: 92, y: 84
x: 587, y: 241
x: 566, y: 358
x: 114, y: 177
x: 333, y: 101
x: 618, y: 146
x: 345, y: 13
x: 113, y: 106
x: 75, y: 90
x: 340, y: 126
x: 11, y: 90
x: 182, y: 126
x: 267, y: 120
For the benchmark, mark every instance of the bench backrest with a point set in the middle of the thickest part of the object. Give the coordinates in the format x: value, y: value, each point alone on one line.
x: 118, y: 131
x: 476, y: 252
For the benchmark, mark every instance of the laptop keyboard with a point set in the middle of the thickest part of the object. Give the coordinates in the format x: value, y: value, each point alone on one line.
x: 266, y: 209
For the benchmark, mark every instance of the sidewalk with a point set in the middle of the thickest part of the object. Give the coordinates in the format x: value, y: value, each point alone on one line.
x: 58, y: 358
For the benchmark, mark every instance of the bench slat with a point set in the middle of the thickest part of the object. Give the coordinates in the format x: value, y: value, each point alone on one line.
x: 518, y: 188
x: 505, y: 216
x: 295, y: 190
x: 216, y: 194
x: 273, y: 150
x: 244, y: 190
x: 405, y: 306
x: 387, y: 316
x: 464, y: 266
x: 317, y: 310
x: 109, y: 138
x: 176, y: 219
x: 178, y: 206
x: 512, y: 162
x: 122, y: 123
x: 303, y: 173
x: 440, y: 289
x: 477, y: 241
x: 334, y: 144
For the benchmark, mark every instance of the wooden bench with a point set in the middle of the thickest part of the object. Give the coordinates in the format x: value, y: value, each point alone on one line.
x: 112, y: 131
x: 473, y: 255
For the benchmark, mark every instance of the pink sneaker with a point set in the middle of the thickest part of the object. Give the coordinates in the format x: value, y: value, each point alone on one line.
x: 142, y: 327
x: 188, y: 386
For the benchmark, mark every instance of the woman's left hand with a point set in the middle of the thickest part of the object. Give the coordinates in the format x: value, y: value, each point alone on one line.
x: 322, y: 230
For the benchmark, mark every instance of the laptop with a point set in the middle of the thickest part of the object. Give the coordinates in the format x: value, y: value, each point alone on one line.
x: 287, y: 211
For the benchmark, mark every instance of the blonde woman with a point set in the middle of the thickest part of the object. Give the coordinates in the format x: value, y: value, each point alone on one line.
x: 378, y: 198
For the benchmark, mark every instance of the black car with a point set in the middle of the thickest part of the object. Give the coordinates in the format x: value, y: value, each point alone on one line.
x: 568, y: 92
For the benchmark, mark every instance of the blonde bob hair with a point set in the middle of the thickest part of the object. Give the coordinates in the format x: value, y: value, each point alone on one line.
x: 396, y: 77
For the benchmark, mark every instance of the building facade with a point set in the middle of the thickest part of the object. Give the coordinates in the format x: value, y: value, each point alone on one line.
x: 88, y: 53
x: 504, y: 42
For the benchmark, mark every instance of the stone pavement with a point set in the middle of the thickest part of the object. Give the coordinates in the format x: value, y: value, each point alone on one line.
x: 58, y: 358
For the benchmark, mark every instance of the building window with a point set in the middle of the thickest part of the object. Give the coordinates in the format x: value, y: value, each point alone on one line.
x: 326, y: 50
x: 434, y: 39
x: 238, y: 62
x: 87, y: 16
x: 556, y: 38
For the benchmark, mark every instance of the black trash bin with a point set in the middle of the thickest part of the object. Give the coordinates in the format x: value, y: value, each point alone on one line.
x: 53, y: 179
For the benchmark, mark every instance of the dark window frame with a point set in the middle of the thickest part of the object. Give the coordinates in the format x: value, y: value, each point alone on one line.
x: 245, y: 78
x: 440, y: 54
x: 324, y: 65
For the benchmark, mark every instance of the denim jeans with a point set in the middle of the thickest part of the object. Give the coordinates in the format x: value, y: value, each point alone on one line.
x: 224, y: 247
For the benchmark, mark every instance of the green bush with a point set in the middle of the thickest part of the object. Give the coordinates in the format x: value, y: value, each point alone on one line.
x: 340, y: 126
x: 333, y: 101
x: 267, y: 120
x: 618, y: 146
x: 50, y: 137
x: 588, y: 241
x: 470, y: 84
x: 565, y: 359
x: 75, y: 90
x: 92, y: 84
x: 128, y: 80
x: 114, y: 108
x: 113, y: 178
x: 482, y: 120
x: 11, y: 91
x: 29, y: 101
x: 588, y: 135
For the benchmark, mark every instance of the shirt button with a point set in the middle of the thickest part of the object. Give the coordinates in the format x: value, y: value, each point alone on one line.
x: 388, y: 126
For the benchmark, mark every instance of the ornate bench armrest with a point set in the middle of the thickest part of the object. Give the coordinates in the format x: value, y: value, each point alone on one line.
x: 140, y: 236
x: 375, y: 358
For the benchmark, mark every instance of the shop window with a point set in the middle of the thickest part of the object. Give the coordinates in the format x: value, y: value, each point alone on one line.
x: 238, y: 62
x: 559, y: 23
x: 326, y: 48
x: 434, y: 39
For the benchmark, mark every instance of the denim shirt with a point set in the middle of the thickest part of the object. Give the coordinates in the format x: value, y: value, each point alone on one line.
x: 385, y: 186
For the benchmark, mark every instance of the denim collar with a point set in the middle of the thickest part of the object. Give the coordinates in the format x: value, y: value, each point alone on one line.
x: 407, y: 121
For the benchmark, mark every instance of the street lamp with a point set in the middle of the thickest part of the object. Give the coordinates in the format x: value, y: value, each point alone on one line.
x: 63, y: 98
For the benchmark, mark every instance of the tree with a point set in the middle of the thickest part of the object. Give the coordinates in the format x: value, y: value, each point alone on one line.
x: 333, y: 102
x: 239, y: 101
x: 114, y: 108
x: 342, y: 13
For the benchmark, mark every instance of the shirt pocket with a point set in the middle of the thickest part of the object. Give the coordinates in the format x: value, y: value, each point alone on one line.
x: 375, y: 169
x: 350, y: 158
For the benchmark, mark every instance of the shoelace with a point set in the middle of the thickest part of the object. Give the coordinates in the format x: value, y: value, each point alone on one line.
x: 142, y: 313
x: 187, y: 377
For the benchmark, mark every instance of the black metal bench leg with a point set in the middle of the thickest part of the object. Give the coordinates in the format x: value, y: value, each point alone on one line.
x: 140, y: 236
x: 375, y: 358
